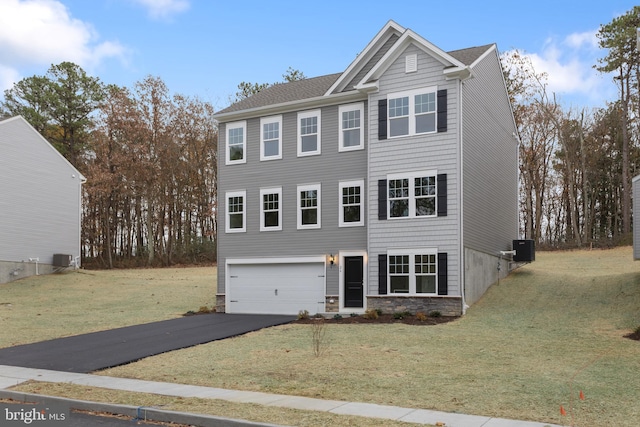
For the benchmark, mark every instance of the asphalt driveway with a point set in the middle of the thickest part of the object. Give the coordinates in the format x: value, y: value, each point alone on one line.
x: 100, y: 350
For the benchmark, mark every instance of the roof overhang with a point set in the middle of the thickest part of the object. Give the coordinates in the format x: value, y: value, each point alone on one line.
x: 318, y: 101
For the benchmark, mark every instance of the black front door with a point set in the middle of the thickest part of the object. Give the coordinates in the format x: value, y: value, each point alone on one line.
x: 353, y: 286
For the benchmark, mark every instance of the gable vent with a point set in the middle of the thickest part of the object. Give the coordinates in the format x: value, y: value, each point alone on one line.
x: 411, y: 63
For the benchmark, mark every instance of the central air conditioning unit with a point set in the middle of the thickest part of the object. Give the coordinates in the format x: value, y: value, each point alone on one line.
x: 62, y: 260
x: 525, y: 250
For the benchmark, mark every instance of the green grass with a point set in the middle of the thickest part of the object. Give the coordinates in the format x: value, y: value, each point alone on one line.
x: 513, y: 355
x: 51, y: 306
x: 551, y: 326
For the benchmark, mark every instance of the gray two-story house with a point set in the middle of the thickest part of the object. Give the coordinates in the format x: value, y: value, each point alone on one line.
x: 390, y: 185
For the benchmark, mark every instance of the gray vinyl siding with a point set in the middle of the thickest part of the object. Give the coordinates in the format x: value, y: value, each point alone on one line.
x: 39, y: 197
x: 438, y: 152
x: 490, y: 153
x: 327, y: 169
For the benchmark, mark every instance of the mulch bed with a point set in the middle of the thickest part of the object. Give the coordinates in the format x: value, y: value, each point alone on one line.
x: 383, y: 318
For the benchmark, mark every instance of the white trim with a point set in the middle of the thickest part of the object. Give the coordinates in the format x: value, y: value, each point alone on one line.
x: 236, y: 125
x: 306, y: 115
x: 410, y: 176
x: 411, y: 94
x: 227, y: 195
x: 345, y: 184
x: 390, y: 28
x: 268, y: 120
x: 411, y: 253
x: 345, y: 109
x: 300, y: 188
x: 365, y: 269
x: 274, y: 190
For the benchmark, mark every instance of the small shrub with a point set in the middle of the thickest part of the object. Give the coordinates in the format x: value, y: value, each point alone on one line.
x: 337, y: 316
x: 379, y: 311
x: 318, y: 336
x: 420, y: 316
x: 318, y: 316
x: 435, y: 313
x: 370, y: 314
x: 204, y: 310
x: 303, y: 314
x: 353, y: 315
x: 399, y: 315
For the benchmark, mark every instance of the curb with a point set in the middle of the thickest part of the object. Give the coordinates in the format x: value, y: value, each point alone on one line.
x: 142, y: 412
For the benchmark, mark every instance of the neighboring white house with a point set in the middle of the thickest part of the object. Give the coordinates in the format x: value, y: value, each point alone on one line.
x: 40, y: 204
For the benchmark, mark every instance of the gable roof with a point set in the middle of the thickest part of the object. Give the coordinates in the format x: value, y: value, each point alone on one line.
x: 26, y: 125
x: 362, y: 73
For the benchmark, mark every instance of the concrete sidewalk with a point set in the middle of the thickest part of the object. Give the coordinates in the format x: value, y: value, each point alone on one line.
x: 11, y: 376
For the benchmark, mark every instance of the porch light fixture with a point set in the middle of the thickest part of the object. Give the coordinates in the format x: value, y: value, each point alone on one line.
x: 332, y: 260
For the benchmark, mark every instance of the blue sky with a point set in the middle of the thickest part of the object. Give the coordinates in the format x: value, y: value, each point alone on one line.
x: 205, y: 48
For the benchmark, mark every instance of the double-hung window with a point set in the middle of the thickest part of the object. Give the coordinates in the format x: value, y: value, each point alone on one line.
x: 309, y: 135
x: 412, y: 195
x: 412, y: 113
x: 309, y: 206
x: 271, y: 209
x: 236, y: 151
x: 413, y: 271
x: 236, y: 211
x: 351, y: 203
x: 351, y: 122
x: 271, y: 138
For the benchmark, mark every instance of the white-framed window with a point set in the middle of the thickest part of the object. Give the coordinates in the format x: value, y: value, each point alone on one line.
x: 309, y: 206
x: 309, y: 135
x: 413, y: 271
x: 236, y: 151
x: 412, y: 195
x: 236, y: 211
x: 271, y: 209
x: 271, y: 138
x: 351, y: 203
x: 351, y: 123
x: 412, y: 112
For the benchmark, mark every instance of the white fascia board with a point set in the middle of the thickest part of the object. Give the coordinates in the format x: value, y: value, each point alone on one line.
x: 302, y: 104
x: 81, y: 177
x: 493, y: 48
x: 367, y: 53
x: 405, y: 40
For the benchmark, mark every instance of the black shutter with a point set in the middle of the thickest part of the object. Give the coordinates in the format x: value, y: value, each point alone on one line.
x: 442, y: 110
x: 382, y: 199
x: 442, y: 194
x: 442, y: 273
x: 382, y: 274
x: 382, y: 119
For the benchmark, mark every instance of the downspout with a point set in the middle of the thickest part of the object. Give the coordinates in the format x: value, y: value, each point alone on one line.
x: 461, y: 199
x: 36, y: 260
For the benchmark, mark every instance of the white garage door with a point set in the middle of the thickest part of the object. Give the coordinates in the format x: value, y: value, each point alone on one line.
x: 282, y: 288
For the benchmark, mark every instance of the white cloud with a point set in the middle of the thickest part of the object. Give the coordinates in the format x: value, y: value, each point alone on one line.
x: 8, y: 76
x: 42, y: 32
x: 163, y: 9
x: 569, y: 64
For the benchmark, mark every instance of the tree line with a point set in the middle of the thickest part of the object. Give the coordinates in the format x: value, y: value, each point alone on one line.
x: 576, y: 164
x: 150, y: 158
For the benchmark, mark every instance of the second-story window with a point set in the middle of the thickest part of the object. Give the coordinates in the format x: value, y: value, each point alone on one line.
x: 412, y: 195
x: 271, y: 209
x: 309, y: 206
x: 271, y: 138
x: 236, y: 143
x: 309, y: 135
